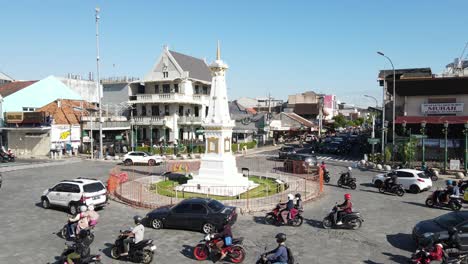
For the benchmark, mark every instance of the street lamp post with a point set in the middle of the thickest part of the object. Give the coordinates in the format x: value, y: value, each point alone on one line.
x: 372, y: 97
x: 465, y: 131
x: 98, y: 82
x: 373, y: 120
x: 423, y: 133
x: 445, y: 131
x: 394, y: 98
x: 385, y: 129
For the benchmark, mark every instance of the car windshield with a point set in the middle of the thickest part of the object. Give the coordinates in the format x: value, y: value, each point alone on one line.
x: 423, y: 175
x: 215, y: 206
x: 93, y: 187
x: 448, y: 220
x: 147, y: 153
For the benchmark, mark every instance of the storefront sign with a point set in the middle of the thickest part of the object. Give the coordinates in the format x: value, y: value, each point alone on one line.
x: 13, y: 117
x: 445, y: 108
x: 454, y: 164
x: 24, y: 117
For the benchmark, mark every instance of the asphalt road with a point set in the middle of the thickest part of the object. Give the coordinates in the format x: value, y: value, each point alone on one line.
x: 30, y: 232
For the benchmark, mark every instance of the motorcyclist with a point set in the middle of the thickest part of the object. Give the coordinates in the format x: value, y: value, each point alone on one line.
x: 288, y: 206
x: 424, y: 167
x: 81, y: 247
x: 448, y: 191
x: 135, y: 236
x: 345, y: 208
x: 391, y: 181
x: 93, y: 216
x: 226, y: 236
x: 298, y: 204
x: 323, y: 166
x: 78, y: 222
x: 455, y: 189
x: 346, y: 175
x: 280, y: 254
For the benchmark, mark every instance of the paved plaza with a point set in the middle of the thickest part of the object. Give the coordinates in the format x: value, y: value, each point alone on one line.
x: 30, y: 232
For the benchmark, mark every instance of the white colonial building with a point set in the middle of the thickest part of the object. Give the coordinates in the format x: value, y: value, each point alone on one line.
x: 172, y: 100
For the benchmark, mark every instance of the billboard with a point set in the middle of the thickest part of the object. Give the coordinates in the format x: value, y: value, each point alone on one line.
x: 65, y: 133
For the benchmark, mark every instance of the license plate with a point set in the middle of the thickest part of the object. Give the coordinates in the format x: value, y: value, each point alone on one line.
x: 153, y: 248
x: 96, y: 197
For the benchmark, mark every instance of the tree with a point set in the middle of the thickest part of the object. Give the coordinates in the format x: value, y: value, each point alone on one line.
x: 340, y: 121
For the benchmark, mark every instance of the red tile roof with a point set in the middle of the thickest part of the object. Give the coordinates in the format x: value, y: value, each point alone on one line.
x: 69, y: 111
x: 13, y: 87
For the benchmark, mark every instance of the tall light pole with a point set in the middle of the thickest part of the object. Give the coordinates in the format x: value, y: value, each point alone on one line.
x: 373, y: 120
x: 98, y: 81
x: 383, y: 114
x: 394, y: 96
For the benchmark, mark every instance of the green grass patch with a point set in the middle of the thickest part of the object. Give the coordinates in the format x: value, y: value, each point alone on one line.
x: 267, y: 187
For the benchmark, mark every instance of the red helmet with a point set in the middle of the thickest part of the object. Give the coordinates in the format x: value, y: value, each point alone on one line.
x: 347, y: 196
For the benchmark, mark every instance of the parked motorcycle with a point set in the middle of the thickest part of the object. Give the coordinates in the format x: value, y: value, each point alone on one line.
x: 326, y: 176
x: 88, y: 258
x: 235, y: 251
x: 274, y: 217
x: 395, y: 188
x: 347, y: 181
x: 141, y: 252
x: 66, y: 235
x: 352, y: 220
x: 454, y: 203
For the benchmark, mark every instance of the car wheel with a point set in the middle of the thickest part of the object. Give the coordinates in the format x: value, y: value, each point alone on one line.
x: 128, y: 162
x: 414, y: 189
x: 378, y: 183
x: 45, y: 203
x: 73, y: 209
x: 157, y: 223
x: 151, y: 162
x: 209, y: 228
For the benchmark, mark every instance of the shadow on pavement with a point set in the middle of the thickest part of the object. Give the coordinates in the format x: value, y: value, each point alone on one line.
x: 107, y: 250
x: 371, y: 262
x: 314, y: 223
x: 187, y: 251
x: 419, y: 204
x: 259, y: 220
x: 396, y: 258
x: 367, y: 184
x: 401, y: 241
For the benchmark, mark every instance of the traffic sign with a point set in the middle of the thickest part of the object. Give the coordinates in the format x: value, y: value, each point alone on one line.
x: 373, y: 141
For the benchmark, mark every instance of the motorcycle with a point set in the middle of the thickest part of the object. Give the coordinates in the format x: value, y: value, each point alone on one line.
x: 141, y: 252
x: 66, y: 235
x: 432, y: 174
x: 395, y: 188
x: 235, y: 251
x: 88, y: 258
x: 274, y: 217
x: 346, y: 181
x: 454, y: 203
x: 326, y: 176
x: 352, y: 220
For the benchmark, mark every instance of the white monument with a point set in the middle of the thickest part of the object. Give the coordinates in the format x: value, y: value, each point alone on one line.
x: 218, y: 173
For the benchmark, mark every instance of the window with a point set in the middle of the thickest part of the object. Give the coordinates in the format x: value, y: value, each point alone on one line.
x: 156, y: 88
x: 154, y: 110
x: 206, y: 112
x: 141, y: 89
x: 29, y: 109
x: 143, y: 110
x: 196, y: 111
x: 166, y: 88
x: 215, y: 206
x: 199, y: 209
x: 93, y: 187
x: 182, y: 208
x: 176, y: 87
x: 205, y: 89
x: 58, y: 187
x: 166, y: 110
x: 403, y: 174
x: 67, y: 187
x: 74, y: 188
x: 197, y: 89
x: 181, y: 110
x: 423, y: 175
x: 165, y: 74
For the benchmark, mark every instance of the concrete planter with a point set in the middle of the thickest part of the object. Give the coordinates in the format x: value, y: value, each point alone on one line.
x: 379, y: 167
x: 387, y: 168
x: 460, y: 175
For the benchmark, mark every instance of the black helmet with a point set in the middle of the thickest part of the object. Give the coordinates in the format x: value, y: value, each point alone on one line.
x: 83, y: 234
x: 280, y: 237
x: 454, y: 183
x: 298, y: 195
x: 137, y: 219
x: 323, y: 162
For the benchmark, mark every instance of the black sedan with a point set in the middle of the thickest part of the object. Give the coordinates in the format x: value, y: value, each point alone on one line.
x: 203, y: 214
x: 441, y: 226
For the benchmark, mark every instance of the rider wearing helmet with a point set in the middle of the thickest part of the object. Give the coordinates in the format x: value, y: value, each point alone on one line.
x: 135, y: 236
x: 279, y: 254
x: 448, y: 191
x: 323, y: 166
x: 226, y: 236
x: 93, y: 216
x: 344, y: 209
x: 298, y: 202
x: 289, y: 205
x: 81, y: 247
x: 345, y: 176
x: 78, y: 222
x: 391, y: 180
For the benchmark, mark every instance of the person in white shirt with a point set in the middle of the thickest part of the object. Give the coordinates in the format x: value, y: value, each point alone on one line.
x: 136, y: 236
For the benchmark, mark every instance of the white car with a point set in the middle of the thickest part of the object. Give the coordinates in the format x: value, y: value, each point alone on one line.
x: 73, y: 193
x: 141, y: 157
x: 413, y: 180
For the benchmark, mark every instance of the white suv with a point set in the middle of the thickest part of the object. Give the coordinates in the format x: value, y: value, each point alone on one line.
x: 134, y: 157
x: 73, y: 193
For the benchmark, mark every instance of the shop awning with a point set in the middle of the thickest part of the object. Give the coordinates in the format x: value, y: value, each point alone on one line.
x: 432, y: 119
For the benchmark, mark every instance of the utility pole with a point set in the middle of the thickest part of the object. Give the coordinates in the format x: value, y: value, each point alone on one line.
x: 98, y: 81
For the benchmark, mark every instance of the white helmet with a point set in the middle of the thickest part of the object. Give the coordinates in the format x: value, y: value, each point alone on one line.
x: 91, y: 208
x: 290, y: 197
x: 83, y: 208
x: 350, y: 169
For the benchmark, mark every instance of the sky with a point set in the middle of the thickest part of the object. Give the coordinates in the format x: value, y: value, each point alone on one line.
x: 276, y: 47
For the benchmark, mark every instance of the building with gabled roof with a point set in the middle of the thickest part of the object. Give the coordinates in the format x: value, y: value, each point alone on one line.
x: 4, y: 79
x: 171, y: 101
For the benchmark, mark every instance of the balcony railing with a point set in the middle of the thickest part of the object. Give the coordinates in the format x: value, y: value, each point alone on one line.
x: 151, y: 120
x: 107, y: 125
x: 188, y: 120
x: 169, y: 98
